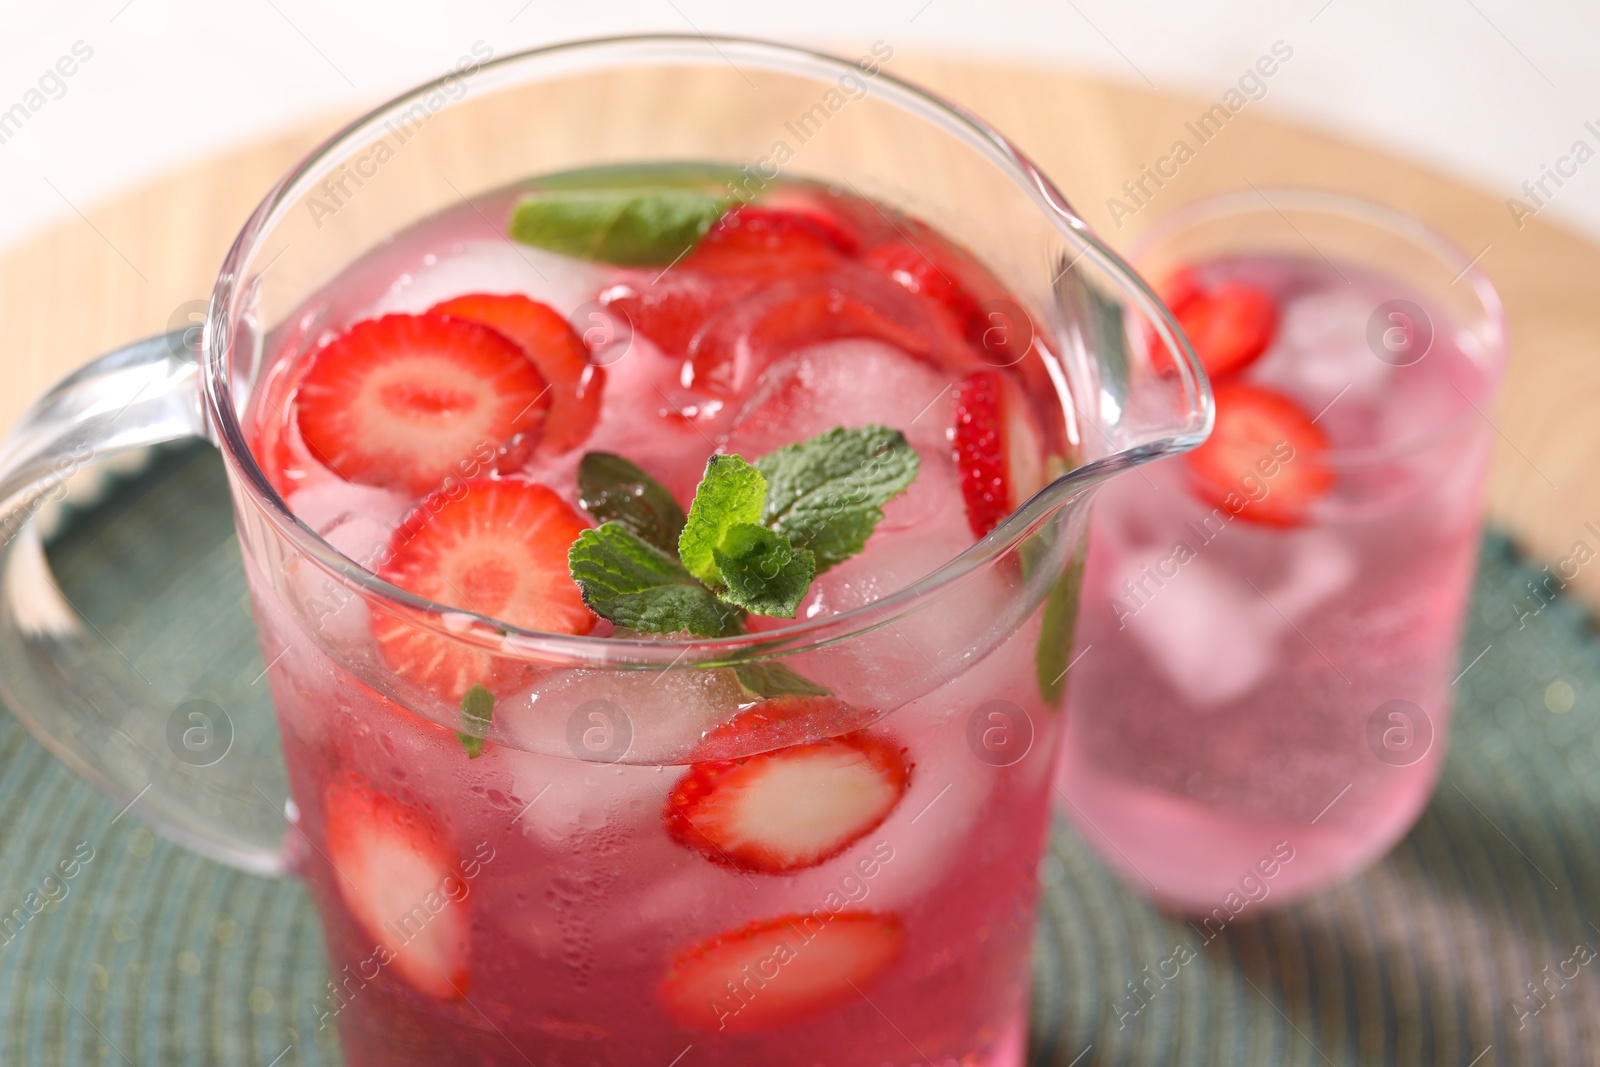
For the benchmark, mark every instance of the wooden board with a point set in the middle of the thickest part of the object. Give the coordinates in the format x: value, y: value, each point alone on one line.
x: 122, y: 269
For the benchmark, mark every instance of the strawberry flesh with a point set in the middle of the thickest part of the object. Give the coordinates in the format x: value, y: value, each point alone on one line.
x: 555, y: 348
x: 778, y: 971
x: 494, y: 547
x: 1230, y: 326
x: 770, y: 243
x: 997, y: 448
x: 671, y: 308
x: 790, y: 808
x: 779, y: 722
x: 402, y: 886
x: 970, y: 298
x: 1261, y: 438
x: 1180, y: 287
x: 732, y: 348
x: 915, y: 272
x: 404, y: 401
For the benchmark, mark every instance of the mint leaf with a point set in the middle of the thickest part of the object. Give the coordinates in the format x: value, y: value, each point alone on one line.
x: 755, y: 536
x: 1058, y: 626
x: 827, y: 494
x: 764, y: 573
x: 634, y: 584
x: 477, y: 708
x: 730, y: 493
x: 613, y: 489
x: 630, y: 227
x: 770, y: 678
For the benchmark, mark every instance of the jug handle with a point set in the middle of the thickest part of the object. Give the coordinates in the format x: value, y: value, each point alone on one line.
x: 57, y: 674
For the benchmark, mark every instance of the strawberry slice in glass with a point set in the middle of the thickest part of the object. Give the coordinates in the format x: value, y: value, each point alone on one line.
x: 555, y: 348
x: 400, y: 402
x: 732, y: 348
x: 1264, y: 458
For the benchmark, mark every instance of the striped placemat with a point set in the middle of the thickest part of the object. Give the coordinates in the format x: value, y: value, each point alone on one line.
x: 1472, y: 943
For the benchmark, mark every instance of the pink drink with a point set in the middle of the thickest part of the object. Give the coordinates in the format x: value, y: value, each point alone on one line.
x: 533, y: 904
x: 1263, y: 692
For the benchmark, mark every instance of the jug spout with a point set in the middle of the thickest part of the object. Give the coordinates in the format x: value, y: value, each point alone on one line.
x: 1131, y: 388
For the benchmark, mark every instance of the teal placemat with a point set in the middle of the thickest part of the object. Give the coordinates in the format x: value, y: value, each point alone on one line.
x: 148, y: 955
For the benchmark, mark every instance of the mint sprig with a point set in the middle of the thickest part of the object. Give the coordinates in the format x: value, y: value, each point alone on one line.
x: 477, y: 709
x: 770, y: 678
x: 731, y: 493
x: 755, y: 536
x: 630, y: 227
x: 638, y: 586
x: 827, y: 494
x: 762, y: 572
x: 613, y: 489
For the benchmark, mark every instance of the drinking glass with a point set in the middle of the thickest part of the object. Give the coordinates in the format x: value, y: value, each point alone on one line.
x: 1261, y: 700
x: 566, y: 911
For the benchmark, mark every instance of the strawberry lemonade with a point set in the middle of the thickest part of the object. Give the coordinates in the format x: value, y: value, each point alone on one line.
x: 1270, y: 623
x: 632, y: 406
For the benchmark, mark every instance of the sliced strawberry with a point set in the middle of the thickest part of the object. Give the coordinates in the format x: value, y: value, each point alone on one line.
x: 778, y: 971
x: 825, y: 212
x: 494, y: 547
x: 920, y: 274
x: 277, y: 447
x: 404, y: 401
x: 555, y: 348
x: 770, y: 243
x: 791, y: 808
x: 779, y: 722
x: 1230, y: 326
x: 930, y: 265
x: 1180, y: 287
x: 669, y: 309
x: 1262, y: 441
x: 275, y: 452
x: 732, y: 348
x: 997, y: 448
x: 402, y: 885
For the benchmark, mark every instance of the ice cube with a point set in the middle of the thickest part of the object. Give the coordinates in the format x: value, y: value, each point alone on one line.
x: 558, y: 797
x: 492, y: 266
x: 892, y: 560
x: 610, y: 716
x: 846, y: 383
x: 651, y: 420
x: 1321, y: 348
x: 339, y: 612
x: 856, y: 383
x: 1319, y: 565
x: 1209, y: 634
x: 950, y: 786
x: 328, y: 504
x: 356, y: 521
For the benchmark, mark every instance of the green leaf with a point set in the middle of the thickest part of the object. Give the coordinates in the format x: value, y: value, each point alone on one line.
x: 634, y: 584
x: 731, y: 493
x: 477, y: 709
x: 764, y: 573
x: 1058, y: 626
x: 827, y: 494
x: 630, y: 227
x: 613, y: 489
x: 772, y: 679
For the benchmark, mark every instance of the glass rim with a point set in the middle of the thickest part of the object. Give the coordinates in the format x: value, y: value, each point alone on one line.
x: 686, y: 49
x: 1370, y: 212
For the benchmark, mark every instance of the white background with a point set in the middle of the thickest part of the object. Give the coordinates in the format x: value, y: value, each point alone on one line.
x: 1488, y: 89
